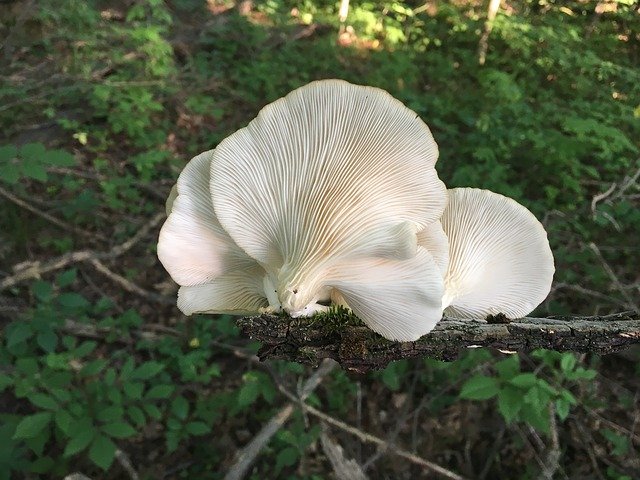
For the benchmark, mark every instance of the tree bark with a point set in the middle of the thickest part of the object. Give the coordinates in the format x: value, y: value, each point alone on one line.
x: 359, y: 349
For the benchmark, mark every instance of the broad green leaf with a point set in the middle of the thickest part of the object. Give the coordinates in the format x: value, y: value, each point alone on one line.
x: 79, y: 442
x: 286, y: 457
x: 7, y: 152
x: 524, y: 380
x: 47, y: 340
x: 180, y: 407
x: 20, y: 331
x: 479, y: 387
x: 85, y: 348
x: 248, y: 393
x: 32, y: 425
x: 102, y: 452
x: 136, y: 415
x: 119, y: 430
x: 110, y: 414
x: 133, y: 390
x: 159, y: 392
x: 42, y: 290
x: 93, y: 368
x: 63, y: 421
x: 509, y: 402
x: 60, y: 158
x: 73, y: 300
x: 198, y: 428
x: 66, y: 278
x: 147, y: 370
x: 43, y: 401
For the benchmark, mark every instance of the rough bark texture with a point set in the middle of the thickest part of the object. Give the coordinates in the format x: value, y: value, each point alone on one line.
x: 359, y: 349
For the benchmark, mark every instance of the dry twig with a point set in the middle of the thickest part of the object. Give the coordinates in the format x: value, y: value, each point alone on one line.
x: 249, y: 453
x: 30, y: 270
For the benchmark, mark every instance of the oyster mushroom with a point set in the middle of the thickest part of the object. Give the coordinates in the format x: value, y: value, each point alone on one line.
x: 499, y: 256
x: 321, y: 196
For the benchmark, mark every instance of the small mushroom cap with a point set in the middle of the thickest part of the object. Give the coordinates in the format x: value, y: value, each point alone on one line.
x: 331, y: 171
x: 215, y: 275
x: 399, y: 299
x: 499, y: 256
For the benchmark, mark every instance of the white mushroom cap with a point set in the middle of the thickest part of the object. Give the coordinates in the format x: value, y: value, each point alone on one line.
x: 215, y: 274
x: 499, y: 256
x: 332, y: 172
x: 399, y: 299
x: 435, y: 241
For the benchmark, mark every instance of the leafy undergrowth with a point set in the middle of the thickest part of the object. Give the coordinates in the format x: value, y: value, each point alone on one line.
x: 104, y: 102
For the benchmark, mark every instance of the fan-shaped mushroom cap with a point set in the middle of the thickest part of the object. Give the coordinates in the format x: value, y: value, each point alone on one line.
x: 331, y: 172
x: 215, y: 274
x: 399, y: 299
x: 435, y: 241
x: 499, y: 256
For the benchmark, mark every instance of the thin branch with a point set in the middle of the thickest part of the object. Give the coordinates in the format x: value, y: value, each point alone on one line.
x: 355, y: 347
x: 368, y: 438
x: 249, y: 453
x: 483, y: 45
x: 49, y: 218
x: 129, y: 285
x: 614, y: 278
x: 30, y: 270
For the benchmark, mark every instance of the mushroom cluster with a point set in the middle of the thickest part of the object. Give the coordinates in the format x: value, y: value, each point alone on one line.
x: 330, y: 196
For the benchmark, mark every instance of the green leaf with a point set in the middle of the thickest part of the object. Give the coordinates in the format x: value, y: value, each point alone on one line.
x: 8, y: 152
x: 79, y: 442
x: 119, y: 430
x: 63, y: 421
x: 524, y: 380
x: 32, y: 151
x: 5, y: 381
x: 508, y: 367
x: 479, y: 387
x: 248, y: 393
x: 10, y: 173
x: 42, y: 290
x: 66, y: 278
x: 153, y: 411
x: 136, y: 415
x: 93, y: 368
x: 147, y: 370
x: 197, y: 428
x: 42, y: 465
x: 60, y: 158
x: 43, y: 401
x: 110, y: 414
x: 392, y: 376
x: 180, y: 407
x: 73, y: 300
x: 286, y: 457
x: 31, y: 426
x: 33, y: 168
x: 19, y: 332
x: 102, y: 452
x: 509, y: 403
x: 47, y: 340
x: 28, y: 366
x: 562, y: 408
x: 568, y: 362
x: 159, y: 391
x: 133, y: 390
x: 85, y: 348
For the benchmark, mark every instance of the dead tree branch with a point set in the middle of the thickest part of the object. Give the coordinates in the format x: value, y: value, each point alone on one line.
x: 357, y: 348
